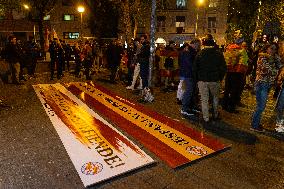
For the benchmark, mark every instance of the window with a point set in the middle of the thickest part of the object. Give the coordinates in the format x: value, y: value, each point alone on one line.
x: 180, y: 23
x: 181, y: 4
x: 67, y: 3
x: 47, y: 17
x: 212, y: 3
x: 71, y: 35
x: 212, y: 23
x: 68, y: 17
x: 161, y: 24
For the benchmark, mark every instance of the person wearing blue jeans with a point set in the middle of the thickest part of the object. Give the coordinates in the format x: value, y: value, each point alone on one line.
x: 261, y: 90
x: 268, y: 65
x: 186, y: 60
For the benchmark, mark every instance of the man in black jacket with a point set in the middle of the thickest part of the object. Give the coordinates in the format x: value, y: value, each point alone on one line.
x: 209, y: 69
x: 13, y: 56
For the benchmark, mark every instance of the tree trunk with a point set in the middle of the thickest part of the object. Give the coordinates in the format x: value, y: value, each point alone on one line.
x: 152, y: 38
x: 127, y: 21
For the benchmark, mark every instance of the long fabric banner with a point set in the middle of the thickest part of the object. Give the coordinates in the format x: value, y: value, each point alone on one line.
x: 171, y: 141
x: 97, y: 150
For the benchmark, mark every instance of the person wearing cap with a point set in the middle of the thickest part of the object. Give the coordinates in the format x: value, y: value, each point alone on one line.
x: 209, y: 69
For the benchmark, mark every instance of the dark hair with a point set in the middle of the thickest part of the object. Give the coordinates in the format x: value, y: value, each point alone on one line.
x: 11, y: 37
x: 195, y: 40
x: 136, y: 39
x: 208, y: 40
x: 171, y: 42
x: 144, y: 35
x: 184, y: 45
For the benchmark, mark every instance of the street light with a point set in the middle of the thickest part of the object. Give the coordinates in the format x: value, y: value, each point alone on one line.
x: 26, y: 6
x: 81, y: 9
x: 199, y: 3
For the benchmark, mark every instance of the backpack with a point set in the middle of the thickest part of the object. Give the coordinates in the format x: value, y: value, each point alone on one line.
x: 169, y: 62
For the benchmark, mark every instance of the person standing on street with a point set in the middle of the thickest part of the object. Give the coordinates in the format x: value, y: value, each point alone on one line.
x: 209, y: 69
x: 114, y: 53
x: 13, y: 56
x: 88, y: 59
x: 135, y: 65
x: 268, y: 65
x: 143, y: 59
x: 186, y: 59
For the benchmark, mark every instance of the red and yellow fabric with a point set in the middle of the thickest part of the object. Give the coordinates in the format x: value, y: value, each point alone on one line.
x: 163, y: 55
x: 236, y: 59
x: 173, y: 142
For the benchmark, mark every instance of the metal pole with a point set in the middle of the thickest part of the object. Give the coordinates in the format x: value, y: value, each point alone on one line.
x: 152, y: 39
x: 81, y: 25
x: 196, y: 23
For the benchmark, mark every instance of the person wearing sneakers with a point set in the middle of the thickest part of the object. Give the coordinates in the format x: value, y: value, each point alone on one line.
x: 280, y: 103
x: 134, y: 61
x: 186, y: 59
x: 209, y: 69
x: 268, y: 64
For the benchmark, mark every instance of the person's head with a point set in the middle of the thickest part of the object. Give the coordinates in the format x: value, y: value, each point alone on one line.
x: 172, y: 43
x: 208, y: 40
x: 143, y: 38
x: 185, y: 47
x: 244, y: 45
x: 12, y: 39
x: 264, y: 38
x: 136, y: 42
x: 195, y: 43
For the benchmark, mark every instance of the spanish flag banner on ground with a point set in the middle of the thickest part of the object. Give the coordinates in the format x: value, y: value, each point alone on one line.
x: 173, y: 142
x: 97, y: 150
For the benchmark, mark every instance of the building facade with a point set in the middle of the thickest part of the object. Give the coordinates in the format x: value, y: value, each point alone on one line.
x: 64, y: 19
x: 182, y: 20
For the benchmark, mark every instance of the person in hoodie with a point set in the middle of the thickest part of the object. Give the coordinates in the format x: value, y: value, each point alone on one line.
x: 186, y: 59
x: 209, y: 69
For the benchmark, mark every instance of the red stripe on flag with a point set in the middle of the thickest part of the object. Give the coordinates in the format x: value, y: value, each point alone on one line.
x: 206, y: 140
x: 163, y: 151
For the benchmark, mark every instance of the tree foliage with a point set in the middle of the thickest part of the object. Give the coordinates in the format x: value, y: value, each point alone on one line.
x: 104, y: 19
x: 8, y: 5
x: 241, y: 16
x: 39, y: 9
x: 250, y: 16
x: 129, y: 13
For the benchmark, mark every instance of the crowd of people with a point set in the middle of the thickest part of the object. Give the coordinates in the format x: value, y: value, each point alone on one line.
x: 207, y: 68
x: 204, y: 71
x: 20, y: 56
